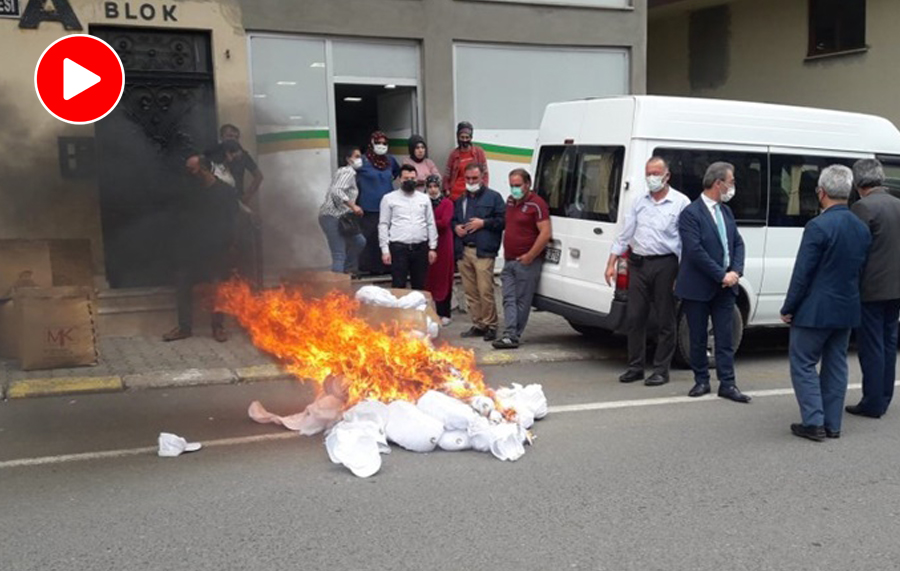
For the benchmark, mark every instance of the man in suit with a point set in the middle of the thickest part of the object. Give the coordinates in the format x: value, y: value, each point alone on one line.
x: 877, y: 333
x: 822, y: 305
x: 712, y: 261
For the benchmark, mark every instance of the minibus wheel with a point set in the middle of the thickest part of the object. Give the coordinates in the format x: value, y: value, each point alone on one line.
x: 683, y: 340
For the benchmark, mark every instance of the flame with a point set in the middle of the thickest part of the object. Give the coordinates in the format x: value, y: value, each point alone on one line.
x: 315, y: 340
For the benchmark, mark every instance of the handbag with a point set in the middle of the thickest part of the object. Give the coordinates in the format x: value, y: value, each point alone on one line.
x: 348, y: 225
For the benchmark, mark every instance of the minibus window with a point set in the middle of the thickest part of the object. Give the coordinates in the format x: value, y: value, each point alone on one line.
x: 597, y: 181
x: 553, y: 178
x: 891, y: 174
x: 793, y: 201
x: 688, y: 166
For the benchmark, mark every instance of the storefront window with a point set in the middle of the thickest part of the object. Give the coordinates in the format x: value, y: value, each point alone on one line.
x: 290, y: 85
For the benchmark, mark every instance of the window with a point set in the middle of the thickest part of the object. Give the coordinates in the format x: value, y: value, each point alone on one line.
x: 689, y: 165
x: 891, y: 174
x: 793, y: 201
x: 581, y: 182
x: 836, y: 26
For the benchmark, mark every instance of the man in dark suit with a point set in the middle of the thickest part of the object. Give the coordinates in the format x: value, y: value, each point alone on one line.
x: 822, y: 305
x: 712, y: 261
x: 877, y: 333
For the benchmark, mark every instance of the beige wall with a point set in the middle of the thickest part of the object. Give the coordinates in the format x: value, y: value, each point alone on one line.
x: 36, y: 201
x: 437, y: 24
x: 768, y: 48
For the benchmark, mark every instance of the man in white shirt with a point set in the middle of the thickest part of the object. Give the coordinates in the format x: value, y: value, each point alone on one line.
x: 651, y: 231
x: 407, y: 232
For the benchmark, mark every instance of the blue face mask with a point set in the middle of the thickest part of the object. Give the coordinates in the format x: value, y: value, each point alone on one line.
x: 516, y: 192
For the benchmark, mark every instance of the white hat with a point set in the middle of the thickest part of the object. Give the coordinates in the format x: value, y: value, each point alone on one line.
x: 172, y: 445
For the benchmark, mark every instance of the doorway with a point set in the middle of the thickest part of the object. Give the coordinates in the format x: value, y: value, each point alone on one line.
x: 167, y: 112
x: 362, y: 109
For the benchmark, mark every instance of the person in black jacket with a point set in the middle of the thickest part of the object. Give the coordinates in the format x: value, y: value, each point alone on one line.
x: 478, y: 220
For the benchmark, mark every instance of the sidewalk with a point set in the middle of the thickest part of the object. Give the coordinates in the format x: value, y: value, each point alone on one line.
x: 131, y: 363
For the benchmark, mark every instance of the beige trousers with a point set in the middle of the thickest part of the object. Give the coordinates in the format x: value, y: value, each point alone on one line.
x: 478, y: 283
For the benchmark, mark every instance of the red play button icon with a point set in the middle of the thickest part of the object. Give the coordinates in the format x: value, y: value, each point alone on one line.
x: 79, y: 79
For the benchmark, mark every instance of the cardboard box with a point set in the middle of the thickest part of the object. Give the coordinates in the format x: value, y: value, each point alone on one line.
x: 49, y: 328
x: 406, y: 319
x: 318, y: 284
x: 44, y: 263
x: 430, y: 311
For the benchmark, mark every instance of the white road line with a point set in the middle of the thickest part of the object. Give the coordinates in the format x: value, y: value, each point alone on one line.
x: 559, y: 409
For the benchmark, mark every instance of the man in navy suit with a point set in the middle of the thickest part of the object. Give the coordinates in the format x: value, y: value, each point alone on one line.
x: 712, y: 261
x: 823, y: 304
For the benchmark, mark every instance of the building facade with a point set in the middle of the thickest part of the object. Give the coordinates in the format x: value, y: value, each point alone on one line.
x: 819, y: 53
x: 303, y: 81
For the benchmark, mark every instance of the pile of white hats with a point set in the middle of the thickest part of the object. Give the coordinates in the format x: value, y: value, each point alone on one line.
x: 358, y: 437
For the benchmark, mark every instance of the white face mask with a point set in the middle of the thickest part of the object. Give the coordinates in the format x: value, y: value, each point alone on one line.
x: 729, y: 194
x: 356, y: 163
x: 380, y: 149
x: 655, y: 183
x: 472, y: 187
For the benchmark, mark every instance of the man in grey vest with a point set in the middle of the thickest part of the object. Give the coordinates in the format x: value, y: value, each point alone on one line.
x: 880, y: 289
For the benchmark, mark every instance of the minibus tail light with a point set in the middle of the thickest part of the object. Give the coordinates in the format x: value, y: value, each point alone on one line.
x: 622, y: 273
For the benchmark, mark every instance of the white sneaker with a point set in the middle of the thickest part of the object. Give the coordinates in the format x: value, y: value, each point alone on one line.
x: 445, y: 321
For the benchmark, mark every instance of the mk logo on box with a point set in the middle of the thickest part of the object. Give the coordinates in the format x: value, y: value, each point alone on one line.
x: 60, y: 336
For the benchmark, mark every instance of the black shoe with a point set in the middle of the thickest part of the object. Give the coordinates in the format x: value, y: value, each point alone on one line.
x: 860, y: 411
x: 698, y: 390
x: 656, y: 380
x: 473, y: 332
x: 832, y: 433
x: 731, y: 392
x: 631, y: 375
x: 490, y: 334
x: 814, y: 433
x: 505, y: 342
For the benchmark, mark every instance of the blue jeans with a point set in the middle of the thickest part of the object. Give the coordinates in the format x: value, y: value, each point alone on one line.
x: 877, y: 341
x: 344, y: 249
x: 820, y: 395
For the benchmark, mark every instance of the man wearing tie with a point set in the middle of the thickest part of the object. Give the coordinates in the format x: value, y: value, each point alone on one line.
x: 712, y: 261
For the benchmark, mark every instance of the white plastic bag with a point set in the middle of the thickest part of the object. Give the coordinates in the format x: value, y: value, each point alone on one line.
x: 411, y: 428
x: 374, y: 295
x: 453, y: 413
x: 355, y: 445
x: 508, y: 441
x: 374, y: 413
x: 528, y: 402
x: 454, y: 440
x: 413, y: 300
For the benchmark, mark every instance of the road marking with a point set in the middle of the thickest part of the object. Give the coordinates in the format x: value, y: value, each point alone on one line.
x: 63, y: 385
x: 559, y: 409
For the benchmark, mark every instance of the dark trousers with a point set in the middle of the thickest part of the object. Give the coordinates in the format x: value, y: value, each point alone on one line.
x: 877, y: 341
x: 370, y: 258
x: 185, y: 280
x: 819, y: 394
x: 518, y: 284
x: 409, y: 261
x: 721, y: 309
x: 443, y: 307
x: 651, y: 282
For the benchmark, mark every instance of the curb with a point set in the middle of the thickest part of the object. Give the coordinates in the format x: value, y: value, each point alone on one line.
x: 60, y: 386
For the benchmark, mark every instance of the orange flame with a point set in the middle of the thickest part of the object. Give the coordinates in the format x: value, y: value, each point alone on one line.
x: 317, y: 339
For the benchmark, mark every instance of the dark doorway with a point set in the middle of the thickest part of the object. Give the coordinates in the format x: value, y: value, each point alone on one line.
x: 362, y: 109
x: 167, y: 112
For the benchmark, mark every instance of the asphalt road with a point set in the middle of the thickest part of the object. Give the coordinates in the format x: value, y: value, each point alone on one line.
x: 627, y: 484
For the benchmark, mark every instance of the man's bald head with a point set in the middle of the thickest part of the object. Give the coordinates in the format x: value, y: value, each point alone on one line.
x: 199, y: 167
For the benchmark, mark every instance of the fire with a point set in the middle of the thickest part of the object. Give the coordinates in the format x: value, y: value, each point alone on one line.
x: 315, y: 339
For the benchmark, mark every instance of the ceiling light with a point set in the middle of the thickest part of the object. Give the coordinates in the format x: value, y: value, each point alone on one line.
x: 317, y: 64
x: 295, y: 117
x: 390, y: 86
x: 260, y: 95
x: 287, y: 83
x: 352, y: 99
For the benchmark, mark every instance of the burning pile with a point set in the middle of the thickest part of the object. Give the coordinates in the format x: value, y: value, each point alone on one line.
x: 379, y: 384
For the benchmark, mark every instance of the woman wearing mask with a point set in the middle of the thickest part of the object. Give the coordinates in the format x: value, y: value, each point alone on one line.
x: 440, y: 274
x: 375, y: 178
x: 340, y: 200
x: 418, y: 159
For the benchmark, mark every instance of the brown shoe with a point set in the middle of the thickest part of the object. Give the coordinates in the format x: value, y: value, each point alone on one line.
x: 177, y: 334
x: 220, y: 334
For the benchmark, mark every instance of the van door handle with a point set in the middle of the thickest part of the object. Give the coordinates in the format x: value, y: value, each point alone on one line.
x: 598, y: 230
x: 575, y: 253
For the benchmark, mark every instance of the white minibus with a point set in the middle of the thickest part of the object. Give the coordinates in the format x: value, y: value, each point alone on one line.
x: 589, y: 167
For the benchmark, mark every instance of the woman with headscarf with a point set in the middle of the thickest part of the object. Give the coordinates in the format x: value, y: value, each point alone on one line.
x: 418, y: 159
x: 441, y: 273
x: 374, y: 178
x: 462, y: 156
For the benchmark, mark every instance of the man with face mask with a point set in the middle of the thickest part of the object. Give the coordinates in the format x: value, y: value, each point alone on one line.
x: 466, y: 153
x: 712, y: 261
x: 478, y: 221
x: 651, y: 232
x: 823, y: 304
x: 407, y: 233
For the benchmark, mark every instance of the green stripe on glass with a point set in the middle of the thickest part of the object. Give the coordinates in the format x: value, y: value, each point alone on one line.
x: 292, y: 136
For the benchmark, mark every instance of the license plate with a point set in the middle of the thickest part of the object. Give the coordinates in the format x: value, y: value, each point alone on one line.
x: 552, y: 255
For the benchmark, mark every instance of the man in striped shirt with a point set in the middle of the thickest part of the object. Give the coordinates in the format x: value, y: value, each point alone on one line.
x: 527, y: 234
